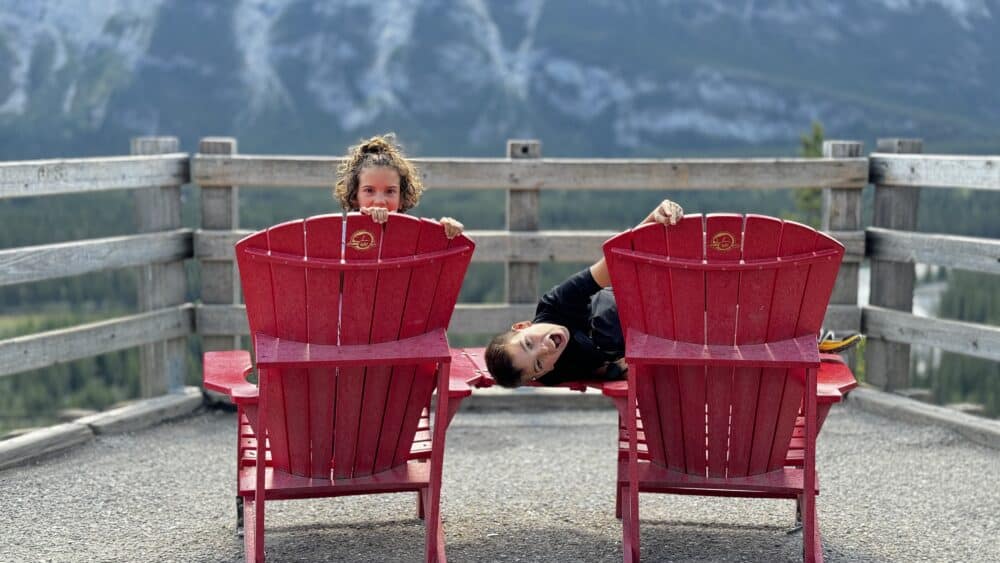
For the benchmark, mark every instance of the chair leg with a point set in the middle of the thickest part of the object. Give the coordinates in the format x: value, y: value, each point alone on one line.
x: 630, y: 526
x: 434, y: 542
x: 630, y: 498
x: 438, y: 541
x: 252, y: 544
x: 618, y: 502
x: 817, y: 544
x: 420, y: 503
x: 239, y: 516
x: 811, y: 545
x: 797, y: 526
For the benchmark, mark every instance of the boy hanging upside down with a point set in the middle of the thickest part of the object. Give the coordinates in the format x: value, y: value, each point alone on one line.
x: 575, y: 334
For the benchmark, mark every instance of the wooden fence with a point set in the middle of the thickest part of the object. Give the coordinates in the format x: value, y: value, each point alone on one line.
x: 157, y: 171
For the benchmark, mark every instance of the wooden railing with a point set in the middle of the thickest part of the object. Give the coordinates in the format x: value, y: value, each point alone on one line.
x: 165, y: 320
x: 522, y: 247
x: 899, y: 172
x: 158, y: 250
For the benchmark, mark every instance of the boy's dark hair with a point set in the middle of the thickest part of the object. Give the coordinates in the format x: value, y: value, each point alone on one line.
x: 498, y: 361
x: 381, y: 151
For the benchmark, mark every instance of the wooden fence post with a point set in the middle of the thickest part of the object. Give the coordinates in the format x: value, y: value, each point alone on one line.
x: 163, y: 365
x: 842, y: 212
x: 522, y: 215
x: 219, y: 211
x: 888, y: 363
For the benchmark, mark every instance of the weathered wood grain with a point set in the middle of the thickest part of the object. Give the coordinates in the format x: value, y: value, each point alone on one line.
x: 892, y: 282
x: 50, y: 177
x: 936, y: 171
x: 842, y: 207
x: 219, y: 210
x: 162, y: 365
x: 549, y: 173
x: 143, y: 414
x: 842, y: 318
x: 951, y: 251
x: 522, y: 216
x: 854, y: 244
x: 842, y: 212
x: 41, y: 442
x: 981, y: 341
x: 50, y: 261
x: 43, y: 349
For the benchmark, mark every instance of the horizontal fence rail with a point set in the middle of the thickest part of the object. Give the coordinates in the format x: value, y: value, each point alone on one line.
x: 951, y: 251
x: 522, y: 247
x: 549, y: 173
x: 79, y: 175
x: 936, y: 171
x: 503, y: 246
x: 972, y: 339
x: 51, y: 261
x: 44, y: 349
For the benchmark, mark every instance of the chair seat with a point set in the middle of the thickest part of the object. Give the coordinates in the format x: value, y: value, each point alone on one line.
x: 421, y: 448
x: 786, y: 482
x: 283, y: 485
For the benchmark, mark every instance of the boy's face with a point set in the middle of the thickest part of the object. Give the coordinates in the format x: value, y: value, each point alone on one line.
x: 379, y: 187
x: 534, y: 348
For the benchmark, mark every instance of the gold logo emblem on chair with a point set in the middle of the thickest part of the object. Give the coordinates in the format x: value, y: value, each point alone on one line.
x: 362, y: 240
x: 723, y: 241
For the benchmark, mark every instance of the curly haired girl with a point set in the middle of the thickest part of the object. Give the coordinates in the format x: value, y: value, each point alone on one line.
x: 377, y: 179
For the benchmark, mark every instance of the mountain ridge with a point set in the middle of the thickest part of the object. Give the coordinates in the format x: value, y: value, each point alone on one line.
x: 589, y: 78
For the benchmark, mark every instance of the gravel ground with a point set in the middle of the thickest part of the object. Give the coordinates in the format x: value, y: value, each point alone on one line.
x: 518, y: 486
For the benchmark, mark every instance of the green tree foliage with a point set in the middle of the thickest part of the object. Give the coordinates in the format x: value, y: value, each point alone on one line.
x: 971, y: 297
x: 809, y: 201
x: 34, y: 398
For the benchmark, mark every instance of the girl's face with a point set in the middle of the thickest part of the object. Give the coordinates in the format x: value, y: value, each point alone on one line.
x: 379, y: 187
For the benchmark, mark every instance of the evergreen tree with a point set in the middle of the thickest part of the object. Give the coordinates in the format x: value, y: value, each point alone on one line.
x: 809, y: 201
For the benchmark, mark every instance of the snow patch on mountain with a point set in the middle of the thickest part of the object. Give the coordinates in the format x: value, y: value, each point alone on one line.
x: 252, y: 21
x: 76, y: 31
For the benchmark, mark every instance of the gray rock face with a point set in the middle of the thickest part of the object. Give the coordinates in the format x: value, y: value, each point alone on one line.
x: 602, y: 77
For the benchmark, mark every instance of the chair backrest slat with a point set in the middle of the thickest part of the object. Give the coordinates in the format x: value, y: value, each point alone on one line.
x: 360, y: 420
x: 686, y: 240
x: 323, y: 240
x: 654, y: 294
x: 362, y: 242
x: 723, y: 245
x: 413, y: 321
x: 392, y: 286
x: 427, y: 309
x: 289, y: 442
x: 761, y: 237
x: 721, y: 422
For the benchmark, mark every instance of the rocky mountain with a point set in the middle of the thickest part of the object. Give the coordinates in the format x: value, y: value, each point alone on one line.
x: 588, y: 77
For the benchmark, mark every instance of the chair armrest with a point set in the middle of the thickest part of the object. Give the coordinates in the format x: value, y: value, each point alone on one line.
x: 226, y: 372
x: 282, y: 353
x: 835, y: 373
x: 468, y: 370
x: 641, y: 348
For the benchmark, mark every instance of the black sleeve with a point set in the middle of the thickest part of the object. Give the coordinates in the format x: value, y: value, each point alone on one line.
x: 568, y: 303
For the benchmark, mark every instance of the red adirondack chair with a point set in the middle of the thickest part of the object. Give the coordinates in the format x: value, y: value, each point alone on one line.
x: 348, y: 321
x: 720, y: 315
